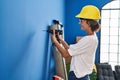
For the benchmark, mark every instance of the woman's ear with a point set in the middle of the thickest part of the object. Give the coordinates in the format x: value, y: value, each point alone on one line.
x: 88, y: 22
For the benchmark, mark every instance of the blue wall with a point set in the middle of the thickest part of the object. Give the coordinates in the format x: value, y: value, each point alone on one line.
x: 25, y: 49
x: 72, y: 28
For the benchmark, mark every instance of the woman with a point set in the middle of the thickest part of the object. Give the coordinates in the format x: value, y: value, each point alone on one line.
x: 83, y: 52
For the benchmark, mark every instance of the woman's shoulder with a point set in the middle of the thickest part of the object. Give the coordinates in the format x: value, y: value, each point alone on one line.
x: 90, y: 38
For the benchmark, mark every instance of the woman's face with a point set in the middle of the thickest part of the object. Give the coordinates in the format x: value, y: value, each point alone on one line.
x: 84, y: 25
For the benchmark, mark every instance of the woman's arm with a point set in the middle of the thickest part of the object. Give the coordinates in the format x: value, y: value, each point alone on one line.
x: 65, y: 45
x: 64, y: 51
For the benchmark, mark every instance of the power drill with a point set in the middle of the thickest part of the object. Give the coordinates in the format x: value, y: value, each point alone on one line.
x: 57, y: 25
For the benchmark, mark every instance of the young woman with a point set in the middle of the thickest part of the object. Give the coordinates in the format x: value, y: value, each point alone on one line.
x: 82, y: 53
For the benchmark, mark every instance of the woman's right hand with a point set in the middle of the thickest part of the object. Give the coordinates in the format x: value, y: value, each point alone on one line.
x: 59, y: 36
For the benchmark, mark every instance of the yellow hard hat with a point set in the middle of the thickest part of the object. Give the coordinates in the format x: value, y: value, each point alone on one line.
x: 89, y: 12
